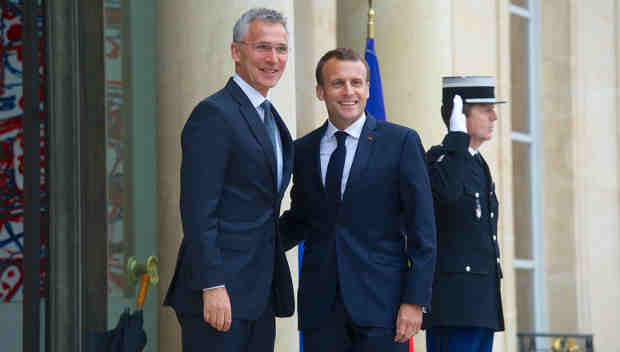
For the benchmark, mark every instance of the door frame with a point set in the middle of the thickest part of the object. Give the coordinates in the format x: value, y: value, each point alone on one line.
x: 77, y: 301
x: 32, y: 215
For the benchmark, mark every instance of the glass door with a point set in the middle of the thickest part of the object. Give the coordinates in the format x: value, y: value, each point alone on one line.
x: 131, y: 173
x: 23, y: 178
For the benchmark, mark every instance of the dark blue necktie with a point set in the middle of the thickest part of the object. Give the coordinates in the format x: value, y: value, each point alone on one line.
x: 478, y: 159
x: 333, y: 178
x: 270, y: 123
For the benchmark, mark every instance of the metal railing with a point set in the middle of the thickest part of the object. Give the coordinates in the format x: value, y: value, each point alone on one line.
x: 534, y: 342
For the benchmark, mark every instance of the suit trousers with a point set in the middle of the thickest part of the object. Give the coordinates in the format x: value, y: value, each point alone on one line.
x: 459, y: 339
x: 341, y: 334
x: 243, y: 335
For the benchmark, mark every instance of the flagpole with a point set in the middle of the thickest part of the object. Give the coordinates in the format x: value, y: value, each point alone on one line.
x: 371, y: 35
x: 374, y: 105
x: 371, y: 20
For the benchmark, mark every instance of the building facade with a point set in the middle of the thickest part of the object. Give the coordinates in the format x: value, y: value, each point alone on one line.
x: 123, y: 76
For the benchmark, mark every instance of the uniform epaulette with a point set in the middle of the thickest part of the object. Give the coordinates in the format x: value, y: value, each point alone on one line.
x: 435, y: 154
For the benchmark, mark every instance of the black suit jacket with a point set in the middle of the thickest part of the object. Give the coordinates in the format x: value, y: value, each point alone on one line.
x: 362, y: 244
x: 229, y: 208
x: 466, y: 289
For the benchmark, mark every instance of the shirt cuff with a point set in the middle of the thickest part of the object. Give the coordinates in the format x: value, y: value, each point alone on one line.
x: 211, y: 288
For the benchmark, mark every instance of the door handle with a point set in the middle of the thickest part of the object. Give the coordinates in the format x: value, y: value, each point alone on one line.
x: 135, y: 270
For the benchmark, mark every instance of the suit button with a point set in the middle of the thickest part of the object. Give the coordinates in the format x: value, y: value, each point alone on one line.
x: 492, y: 215
x: 468, y: 268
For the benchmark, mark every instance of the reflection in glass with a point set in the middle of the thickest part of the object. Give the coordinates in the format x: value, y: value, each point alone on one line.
x: 521, y: 3
x: 129, y: 29
x: 525, y: 300
x: 519, y: 74
x: 12, y: 275
x: 522, y: 198
x: 115, y: 136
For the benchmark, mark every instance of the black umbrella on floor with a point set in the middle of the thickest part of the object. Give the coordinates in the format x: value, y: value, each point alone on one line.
x: 128, y: 335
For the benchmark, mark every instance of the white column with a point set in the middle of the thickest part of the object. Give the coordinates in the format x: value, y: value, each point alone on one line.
x: 315, y: 29
x: 595, y: 64
x: 558, y: 169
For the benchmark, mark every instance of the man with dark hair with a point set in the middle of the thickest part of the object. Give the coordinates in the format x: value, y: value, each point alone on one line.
x: 357, y: 183
x: 467, y: 307
x: 342, y: 54
x: 231, y: 276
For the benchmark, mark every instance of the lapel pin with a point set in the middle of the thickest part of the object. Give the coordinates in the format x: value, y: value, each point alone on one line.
x: 370, y: 138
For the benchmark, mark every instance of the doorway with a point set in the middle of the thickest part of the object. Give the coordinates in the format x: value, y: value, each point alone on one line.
x: 101, y: 56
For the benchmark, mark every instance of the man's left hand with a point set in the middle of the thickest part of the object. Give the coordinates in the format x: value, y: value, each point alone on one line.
x: 408, y: 322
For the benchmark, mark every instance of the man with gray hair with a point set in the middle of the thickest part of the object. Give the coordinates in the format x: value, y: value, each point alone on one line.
x: 231, y: 276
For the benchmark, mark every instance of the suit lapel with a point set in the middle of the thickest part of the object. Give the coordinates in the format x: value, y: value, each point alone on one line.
x: 316, y: 157
x: 257, y: 127
x: 362, y: 155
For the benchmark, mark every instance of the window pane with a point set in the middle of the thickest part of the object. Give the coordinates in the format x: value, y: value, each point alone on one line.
x: 519, y: 74
x: 520, y: 3
x: 12, y: 187
x: 130, y: 67
x: 525, y: 300
x: 522, y: 184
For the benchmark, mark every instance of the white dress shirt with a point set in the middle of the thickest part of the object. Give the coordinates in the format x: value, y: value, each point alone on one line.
x: 329, y: 144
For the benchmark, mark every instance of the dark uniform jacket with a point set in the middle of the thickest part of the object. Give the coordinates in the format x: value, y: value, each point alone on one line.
x: 466, y: 287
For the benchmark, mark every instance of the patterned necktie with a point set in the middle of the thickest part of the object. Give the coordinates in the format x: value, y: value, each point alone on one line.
x: 333, y: 178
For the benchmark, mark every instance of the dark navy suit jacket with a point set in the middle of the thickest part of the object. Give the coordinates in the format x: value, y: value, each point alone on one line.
x: 230, y: 207
x: 361, y: 246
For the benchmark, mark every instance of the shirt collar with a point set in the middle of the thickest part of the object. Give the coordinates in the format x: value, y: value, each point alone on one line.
x: 255, y: 97
x: 354, y: 130
x: 472, y: 151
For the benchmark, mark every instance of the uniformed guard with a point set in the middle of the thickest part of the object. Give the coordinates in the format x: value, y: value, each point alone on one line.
x: 466, y: 307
